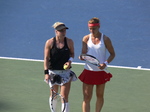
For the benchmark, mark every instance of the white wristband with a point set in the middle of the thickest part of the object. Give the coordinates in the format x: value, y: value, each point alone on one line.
x: 106, y: 63
x: 71, y: 59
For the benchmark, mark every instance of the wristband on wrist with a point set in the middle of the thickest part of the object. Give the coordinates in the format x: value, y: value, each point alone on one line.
x: 46, y: 72
x: 71, y: 59
x: 106, y: 63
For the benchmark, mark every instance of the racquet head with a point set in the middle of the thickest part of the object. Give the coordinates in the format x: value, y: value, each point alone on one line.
x: 91, y: 59
x: 57, y: 103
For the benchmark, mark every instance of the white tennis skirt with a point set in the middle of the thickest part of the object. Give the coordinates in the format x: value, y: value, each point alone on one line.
x: 66, y: 76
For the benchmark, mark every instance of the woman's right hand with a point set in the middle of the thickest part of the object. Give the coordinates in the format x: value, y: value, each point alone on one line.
x: 46, y: 79
x: 80, y: 58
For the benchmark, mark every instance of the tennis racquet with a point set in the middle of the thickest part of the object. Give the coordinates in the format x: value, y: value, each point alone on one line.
x: 57, y: 102
x: 93, y: 60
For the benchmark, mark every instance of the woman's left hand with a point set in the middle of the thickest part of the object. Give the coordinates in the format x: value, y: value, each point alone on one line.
x: 102, y: 66
x: 68, y: 64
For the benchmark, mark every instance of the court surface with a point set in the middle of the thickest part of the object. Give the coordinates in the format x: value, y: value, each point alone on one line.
x: 22, y: 89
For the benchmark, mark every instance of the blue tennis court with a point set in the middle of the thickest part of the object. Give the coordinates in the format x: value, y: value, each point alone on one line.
x: 25, y: 25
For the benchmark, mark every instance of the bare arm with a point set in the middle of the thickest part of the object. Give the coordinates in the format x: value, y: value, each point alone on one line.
x: 71, y: 47
x: 110, y: 49
x: 47, y: 56
x: 84, y: 45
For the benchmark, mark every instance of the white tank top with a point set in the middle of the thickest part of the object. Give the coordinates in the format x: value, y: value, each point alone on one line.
x: 97, y: 50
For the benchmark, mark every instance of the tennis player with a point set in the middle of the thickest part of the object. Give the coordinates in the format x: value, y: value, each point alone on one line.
x: 59, y: 51
x: 96, y: 44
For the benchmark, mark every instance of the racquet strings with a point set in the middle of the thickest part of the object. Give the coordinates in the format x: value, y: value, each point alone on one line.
x: 90, y: 59
x: 58, y: 103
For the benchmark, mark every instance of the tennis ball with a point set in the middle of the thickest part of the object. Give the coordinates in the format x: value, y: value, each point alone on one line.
x: 65, y: 67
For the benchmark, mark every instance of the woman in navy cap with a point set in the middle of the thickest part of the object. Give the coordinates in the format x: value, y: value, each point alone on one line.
x: 59, y: 51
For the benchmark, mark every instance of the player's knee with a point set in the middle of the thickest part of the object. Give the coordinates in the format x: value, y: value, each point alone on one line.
x: 65, y: 97
x: 87, y: 98
x: 100, y: 97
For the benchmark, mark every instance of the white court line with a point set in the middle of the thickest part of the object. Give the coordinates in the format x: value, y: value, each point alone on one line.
x: 113, y: 66
x: 24, y: 59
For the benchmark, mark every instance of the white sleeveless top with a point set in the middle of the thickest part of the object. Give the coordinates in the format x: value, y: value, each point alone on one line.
x: 97, y: 50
